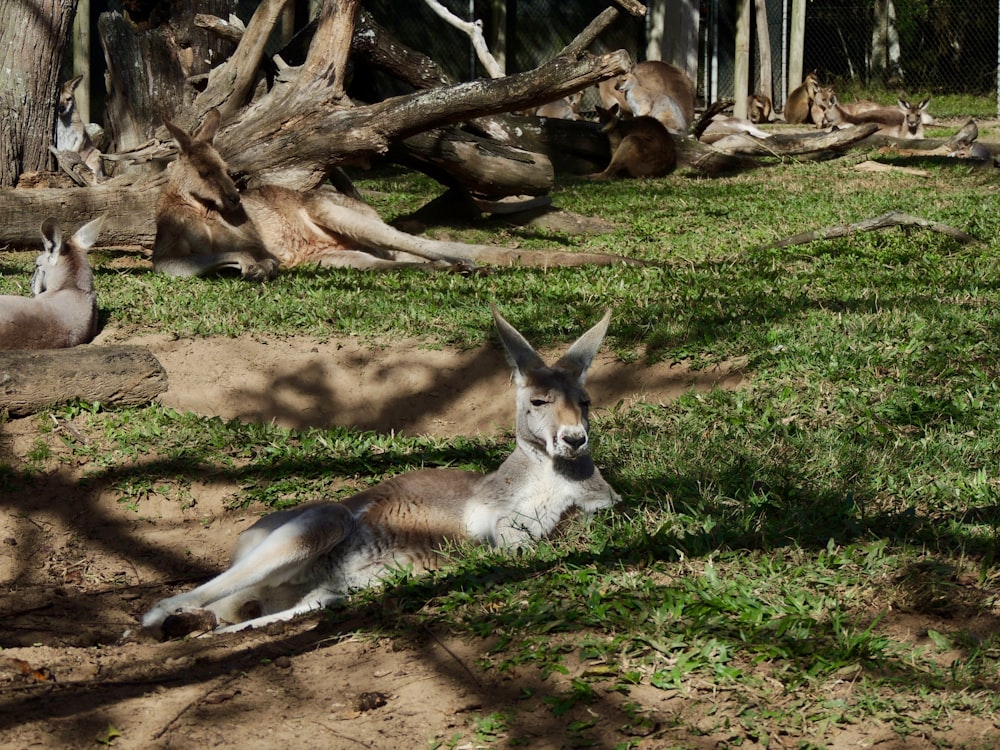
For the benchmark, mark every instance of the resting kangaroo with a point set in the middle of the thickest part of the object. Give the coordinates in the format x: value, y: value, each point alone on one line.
x: 71, y: 133
x: 63, y: 311
x: 798, y: 105
x: 205, y: 224
x: 640, y: 146
x: 905, y: 121
x: 653, y: 88
x: 305, y: 558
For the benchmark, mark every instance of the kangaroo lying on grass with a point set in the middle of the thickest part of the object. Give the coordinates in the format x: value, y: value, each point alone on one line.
x: 63, y: 311
x: 205, y: 224
x: 306, y: 558
x: 640, y: 146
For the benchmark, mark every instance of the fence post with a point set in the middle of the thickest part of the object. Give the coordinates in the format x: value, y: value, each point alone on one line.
x: 796, y: 42
x: 81, y: 58
x: 741, y: 63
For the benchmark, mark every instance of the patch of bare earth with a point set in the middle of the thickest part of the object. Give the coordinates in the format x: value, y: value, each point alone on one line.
x: 77, y: 569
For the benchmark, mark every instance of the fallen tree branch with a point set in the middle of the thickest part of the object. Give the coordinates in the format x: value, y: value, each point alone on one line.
x: 890, y: 219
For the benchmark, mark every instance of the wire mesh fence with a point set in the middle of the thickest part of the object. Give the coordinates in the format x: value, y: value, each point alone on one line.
x: 875, y: 48
x: 918, y: 47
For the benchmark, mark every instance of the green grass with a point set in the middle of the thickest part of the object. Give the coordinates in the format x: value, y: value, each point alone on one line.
x: 772, y: 538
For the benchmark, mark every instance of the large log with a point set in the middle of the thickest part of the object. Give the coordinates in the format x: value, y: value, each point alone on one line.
x: 31, y: 381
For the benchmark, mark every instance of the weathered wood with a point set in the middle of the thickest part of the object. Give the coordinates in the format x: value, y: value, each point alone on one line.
x: 31, y: 381
x: 795, y: 144
x: 890, y: 219
x: 479, y: 165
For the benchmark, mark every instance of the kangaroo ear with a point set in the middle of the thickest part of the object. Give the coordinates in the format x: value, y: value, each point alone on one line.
x: 520, y: 354
x: 51, y: 235
x: 183, y: 140
x: 580, y: 355
x: 205, y: 133
x: 74, y: 82
x: 86, y: 235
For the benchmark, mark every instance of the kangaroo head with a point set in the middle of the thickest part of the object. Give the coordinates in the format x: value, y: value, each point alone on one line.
x: 63, y: 265
x: 67, y: 101
x: 811, y: 83
x: 553, y: 407
x: 913, y: 115
x: 200, y: 171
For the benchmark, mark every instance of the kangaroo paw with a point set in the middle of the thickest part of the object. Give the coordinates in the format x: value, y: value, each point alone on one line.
x: 186, y: 621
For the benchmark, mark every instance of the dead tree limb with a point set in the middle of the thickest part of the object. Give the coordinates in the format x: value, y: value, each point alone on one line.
x: 122, y: 375
x: 890, y: 219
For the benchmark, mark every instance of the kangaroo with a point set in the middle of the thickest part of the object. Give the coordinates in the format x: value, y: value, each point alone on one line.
x: 306, y: 558
x: 657, y: 89
x: 820, y: 104
x: 904, y: 121
x: 722, y: 127
x: 63, y: 311
x: 640, y: 146
x: 205, y: 224
x: 759, y: 108
x: 71, y: 133
x: 798, y: 105
x: 566, y: 108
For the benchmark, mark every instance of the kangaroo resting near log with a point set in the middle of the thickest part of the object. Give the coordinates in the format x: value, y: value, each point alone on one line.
x: 71, y: 132
x: 306, y: 558
x: 63, y: 311
x: 205, y: 224
x: 640, y: 146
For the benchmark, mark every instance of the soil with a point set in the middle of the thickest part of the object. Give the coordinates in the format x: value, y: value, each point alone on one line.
x: 78, y: 570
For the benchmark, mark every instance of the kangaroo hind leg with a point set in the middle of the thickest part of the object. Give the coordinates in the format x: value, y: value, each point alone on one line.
x: 271, y: 562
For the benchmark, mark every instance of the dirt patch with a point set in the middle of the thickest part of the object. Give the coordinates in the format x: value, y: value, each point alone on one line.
x: 78, y: 568
x: 404, y: 387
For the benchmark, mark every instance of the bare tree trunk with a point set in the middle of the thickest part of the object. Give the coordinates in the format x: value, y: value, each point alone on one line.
x: 152, y: 67
x: 886, y: 56
x: 766, y: 84
x: 32, y: 38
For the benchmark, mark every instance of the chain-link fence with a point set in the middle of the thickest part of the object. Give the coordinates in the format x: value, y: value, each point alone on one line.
x: 878, y: 48
x: 920, y: 47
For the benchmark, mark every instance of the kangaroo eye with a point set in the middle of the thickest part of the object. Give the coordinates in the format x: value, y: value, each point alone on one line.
x: 539, y: 401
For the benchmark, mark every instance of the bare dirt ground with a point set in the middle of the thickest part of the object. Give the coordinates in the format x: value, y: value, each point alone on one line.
x: 78, y: 569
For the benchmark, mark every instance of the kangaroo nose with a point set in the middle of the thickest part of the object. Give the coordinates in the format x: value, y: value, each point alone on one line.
x: 576, y: 442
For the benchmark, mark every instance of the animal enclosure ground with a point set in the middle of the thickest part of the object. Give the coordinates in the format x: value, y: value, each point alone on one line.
x: 805, y: 556
x: 81, y: 566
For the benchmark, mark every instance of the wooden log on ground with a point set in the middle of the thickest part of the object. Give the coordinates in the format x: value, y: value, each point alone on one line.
x: 33, y: 380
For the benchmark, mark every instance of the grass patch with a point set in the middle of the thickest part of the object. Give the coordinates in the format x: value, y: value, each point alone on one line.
x: 774, y: 542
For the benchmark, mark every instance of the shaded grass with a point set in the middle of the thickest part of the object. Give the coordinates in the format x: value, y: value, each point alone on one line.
x: 769, y: 536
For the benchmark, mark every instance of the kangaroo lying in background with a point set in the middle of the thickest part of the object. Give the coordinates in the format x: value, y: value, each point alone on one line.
x: 63, y: 311
x: 798, y: 105
x: 71, y: 133
x: 723, y: 127
x: 306, y: 558
x: 905, y: 121
x: 566, y: 108
x: 205, y: 224
x: 640, y: 146
x: 759, y: 108
x: 657, y: 89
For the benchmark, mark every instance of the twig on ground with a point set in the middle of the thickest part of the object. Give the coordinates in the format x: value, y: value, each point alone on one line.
x: 890, y: 219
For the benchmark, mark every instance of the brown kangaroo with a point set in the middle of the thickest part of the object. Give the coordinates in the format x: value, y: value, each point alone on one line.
x: 759, y: 108
x: 657, y: 89
x: 306, y: 558
x: 63, y: 311
x: 640, y: 146
x: 798, y: 105
x: 903, y: 121
x: 566, y: 108
x: 71, y: 133
x: 204, y: 224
